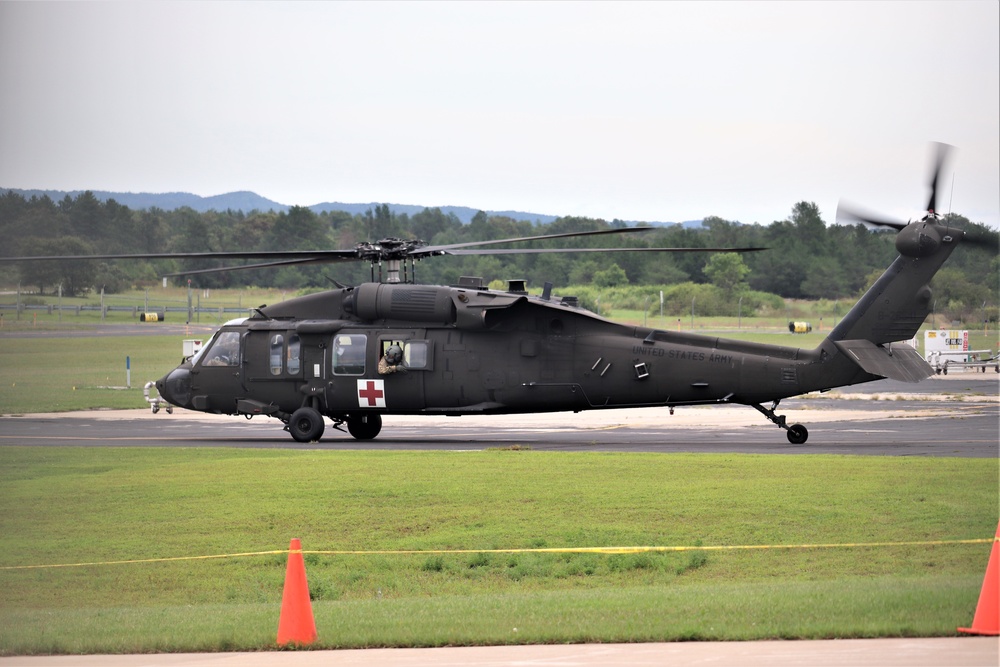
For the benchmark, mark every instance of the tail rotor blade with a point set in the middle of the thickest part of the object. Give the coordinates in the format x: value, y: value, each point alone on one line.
x: 851, y: 214
x: 941, y: 152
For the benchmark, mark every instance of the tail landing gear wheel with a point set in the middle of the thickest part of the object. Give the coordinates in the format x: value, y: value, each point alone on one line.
x: 797, y: 434
x: 306, y: 425
x: 365, y: 427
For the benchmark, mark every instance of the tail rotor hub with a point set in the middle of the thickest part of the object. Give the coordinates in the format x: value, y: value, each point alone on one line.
x: 919, y: 239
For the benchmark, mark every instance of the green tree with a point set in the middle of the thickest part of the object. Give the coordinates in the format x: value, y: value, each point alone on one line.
x: 727, y: 271
x: 380, y: 223
x: 612, y: 276
x: 86, y: 214
x: 430, y: 222
x: 809, y: 226
x: 958, y: 296
x: 824, y: 280
x: 76, y: 276
x: 298, y: 229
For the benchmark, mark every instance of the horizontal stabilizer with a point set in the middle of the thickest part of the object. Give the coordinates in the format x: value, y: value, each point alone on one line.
x: 895, y: 361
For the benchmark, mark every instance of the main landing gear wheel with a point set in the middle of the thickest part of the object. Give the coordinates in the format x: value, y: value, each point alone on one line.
x: 306, y: 425
x: 365, y: 427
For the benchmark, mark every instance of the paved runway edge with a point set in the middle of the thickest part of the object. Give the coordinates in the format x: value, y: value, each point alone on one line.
x: 911, y: 652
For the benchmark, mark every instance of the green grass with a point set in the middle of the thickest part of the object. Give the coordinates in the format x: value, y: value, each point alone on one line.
x: 209, y: 308
x: 855, y: 607
x: 80, y: 373
x: 72, y: 505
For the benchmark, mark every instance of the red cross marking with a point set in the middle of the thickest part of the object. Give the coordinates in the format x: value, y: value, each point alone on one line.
x: 371, y: 393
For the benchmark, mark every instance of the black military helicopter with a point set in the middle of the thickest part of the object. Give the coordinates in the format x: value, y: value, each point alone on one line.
x: 392, y: 346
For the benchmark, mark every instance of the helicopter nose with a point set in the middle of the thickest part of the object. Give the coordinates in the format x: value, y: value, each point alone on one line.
x: 175, y: 387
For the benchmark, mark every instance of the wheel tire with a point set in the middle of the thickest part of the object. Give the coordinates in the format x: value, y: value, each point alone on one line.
x: 306, y: 425
x: 365, y: 427
x: 797, y: 434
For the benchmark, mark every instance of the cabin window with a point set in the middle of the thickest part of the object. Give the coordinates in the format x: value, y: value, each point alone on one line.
x: 224, y: 350
x: 349, y: 354
x: 277, y: 351
x: 294, y: 352
x: 415, y: 354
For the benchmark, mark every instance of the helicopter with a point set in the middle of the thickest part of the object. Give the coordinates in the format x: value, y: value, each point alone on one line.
x: 393, y: 346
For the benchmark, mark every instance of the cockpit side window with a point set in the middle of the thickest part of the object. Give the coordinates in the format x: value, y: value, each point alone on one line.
x: 349, y: 354
x: 224, y: 350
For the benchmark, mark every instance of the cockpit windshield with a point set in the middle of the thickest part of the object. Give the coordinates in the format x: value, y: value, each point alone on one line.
x: 224, y: 350
x: 196, y: 357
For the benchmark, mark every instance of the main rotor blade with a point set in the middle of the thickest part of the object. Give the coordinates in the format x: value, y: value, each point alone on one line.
x: 265, y: 265
x: 445, y: 249
x: 541, y: 251
x: 326, y: 255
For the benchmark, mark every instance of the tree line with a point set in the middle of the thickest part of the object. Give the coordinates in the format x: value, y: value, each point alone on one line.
x: 806, y: 257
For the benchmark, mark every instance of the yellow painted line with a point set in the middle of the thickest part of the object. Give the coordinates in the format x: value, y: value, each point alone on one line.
x: 543, y: 550
x: 647, y: 549
x: 144, y: 560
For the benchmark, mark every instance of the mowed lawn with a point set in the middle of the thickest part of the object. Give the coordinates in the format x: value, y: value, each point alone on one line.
x: 900, y: 572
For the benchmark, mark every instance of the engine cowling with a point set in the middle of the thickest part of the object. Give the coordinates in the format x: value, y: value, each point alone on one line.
x: 412, y: 303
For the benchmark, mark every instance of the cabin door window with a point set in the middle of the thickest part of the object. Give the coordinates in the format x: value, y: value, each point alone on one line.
x: 277, y: 351
x: 349, y: 354
x: 294, y: 355
x: 284, y: 357
x: 396, y: 354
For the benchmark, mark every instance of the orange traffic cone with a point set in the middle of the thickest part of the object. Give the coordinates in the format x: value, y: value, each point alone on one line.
x: 987, y: 618
x: 296, y: 624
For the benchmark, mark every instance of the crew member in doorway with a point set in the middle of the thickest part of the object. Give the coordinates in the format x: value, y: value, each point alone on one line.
x: 391, y: 361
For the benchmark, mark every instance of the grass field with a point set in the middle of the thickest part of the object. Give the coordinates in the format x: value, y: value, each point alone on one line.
x: 81, y: 373
x: 207, y: 306
x: 85, y: 505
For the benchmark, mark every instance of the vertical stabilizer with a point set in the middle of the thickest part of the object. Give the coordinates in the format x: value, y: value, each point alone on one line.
x: 901, y: 299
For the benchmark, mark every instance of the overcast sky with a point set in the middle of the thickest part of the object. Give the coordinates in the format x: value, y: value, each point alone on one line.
x: 648, y: 111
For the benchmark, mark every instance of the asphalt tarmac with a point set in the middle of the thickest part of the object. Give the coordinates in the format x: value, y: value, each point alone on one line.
x: 942, y: 416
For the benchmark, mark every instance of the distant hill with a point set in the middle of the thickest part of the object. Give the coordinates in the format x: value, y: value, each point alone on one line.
x: 250, y: 201
x: 167, y: 201
x: 463, y: 213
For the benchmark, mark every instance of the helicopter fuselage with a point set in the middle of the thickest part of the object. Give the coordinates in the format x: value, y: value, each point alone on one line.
x: 472, y: 351
x: 355, y: 353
